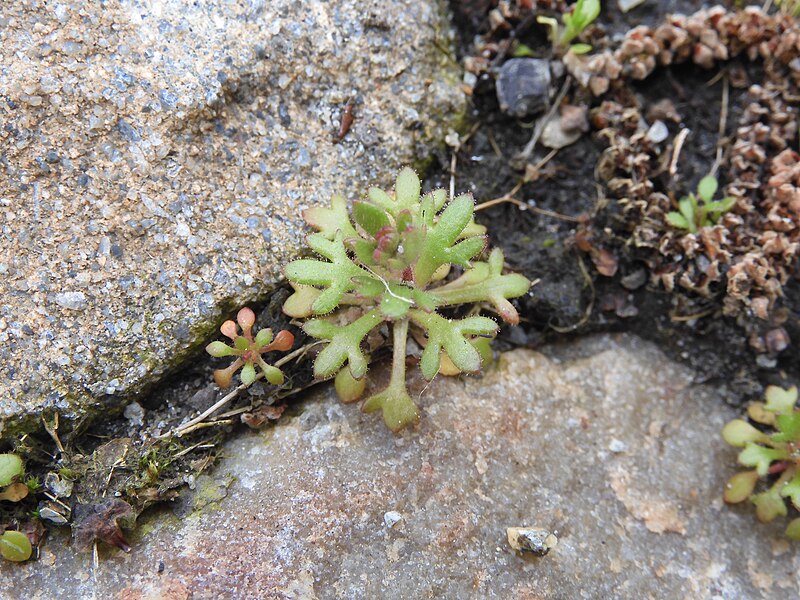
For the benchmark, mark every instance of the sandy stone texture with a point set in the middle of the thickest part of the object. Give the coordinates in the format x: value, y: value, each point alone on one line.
x: 604, y: 442
x: 155, y: 158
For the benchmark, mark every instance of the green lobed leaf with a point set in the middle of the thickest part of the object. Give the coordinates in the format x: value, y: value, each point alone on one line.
x: 396, y: 302
x: 472, y: 229
x: 769, y: 505
x: 727, y: 203
x: 707, y: 188
x: 364, y: 251
x: 397, y: 406
x: 330, y: 220
x: 452, y: 336
x: 739, y: 433
x: 788, y: 428
x: 676, y: 219
x: 370, y: 217
x: 345, y: 344
x: 740, y: 486
x: 406, y: 189
x: 463, y: 251
x: 348, y: 388
x: 760, y: 457
x: 757, y: 412
x: 792, y: 490
x: 299, y: 305
x: 336, y: 275
x: 485, y: 282
x: 780, y: 401
x: 439, y: 198
x: 382, y: 199
x: 368, y: 287
x: 793, y: 530
x: 437, y: 245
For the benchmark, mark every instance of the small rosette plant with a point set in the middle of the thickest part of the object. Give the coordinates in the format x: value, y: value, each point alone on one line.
x: 772, y: 452
x: 248, y: 349
x: 391, y: 261
x: 692, y: 215
x: 575, y: 21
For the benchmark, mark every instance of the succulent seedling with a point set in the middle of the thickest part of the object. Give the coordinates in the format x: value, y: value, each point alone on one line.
x: 693, y: 215
x: 574, y: 22
x: 15, y: 546
x: 392, y: 263
x: 772, y: 452
x: 11, y: 471
x: 248, y: 349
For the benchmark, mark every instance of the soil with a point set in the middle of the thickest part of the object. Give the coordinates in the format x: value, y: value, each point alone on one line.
x: 572, y: 298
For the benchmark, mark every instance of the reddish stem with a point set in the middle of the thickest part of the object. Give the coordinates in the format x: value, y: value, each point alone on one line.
x: 778, y: 468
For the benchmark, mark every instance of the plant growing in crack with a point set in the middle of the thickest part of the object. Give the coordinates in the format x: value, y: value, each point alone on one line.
x: 579, y: 18
x: 692, y: 215
x: 394, y: 263
x: 771, y: 456
x: 248, y: 349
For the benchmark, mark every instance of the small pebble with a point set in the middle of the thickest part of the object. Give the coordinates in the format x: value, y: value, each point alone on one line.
x: 626, y: 5
x: 391, y: 518
x: 72, y: 300
x: 533, y: 541
x: 616, y: 446
x: 134, y: 413
x: 523, y: 86
x: 658, y: 132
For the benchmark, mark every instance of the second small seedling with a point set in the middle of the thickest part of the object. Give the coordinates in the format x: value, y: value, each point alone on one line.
x: 693, y: 215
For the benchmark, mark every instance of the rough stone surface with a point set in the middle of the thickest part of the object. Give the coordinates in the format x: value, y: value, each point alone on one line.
x: 604, y: 442
x: 155, y: 157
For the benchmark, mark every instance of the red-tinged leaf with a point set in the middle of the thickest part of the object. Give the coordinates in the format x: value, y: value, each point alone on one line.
x: 103, y: 522
x: 604, y: 261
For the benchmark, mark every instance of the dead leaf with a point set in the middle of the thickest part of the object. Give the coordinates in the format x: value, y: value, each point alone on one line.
x: 102, y: 522
x: 605, y: 262
x: 262, y: 415
x: 15, y: 492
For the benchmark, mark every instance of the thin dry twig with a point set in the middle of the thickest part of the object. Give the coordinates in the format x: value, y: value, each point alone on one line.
x: 723, y: 121
x: 509, y: 197
x: 537, y: 132
x: 523, y: 206
x: 120, y: 461
x: 203, y: 425
x: 683, y: 318
x: 53, y: 431
x: 203, y: 444
x: 676, y: 150
x: 454, y: 157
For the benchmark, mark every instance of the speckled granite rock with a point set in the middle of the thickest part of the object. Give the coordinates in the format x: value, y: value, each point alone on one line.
x: 154, y: 159
x: 605, y: 442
